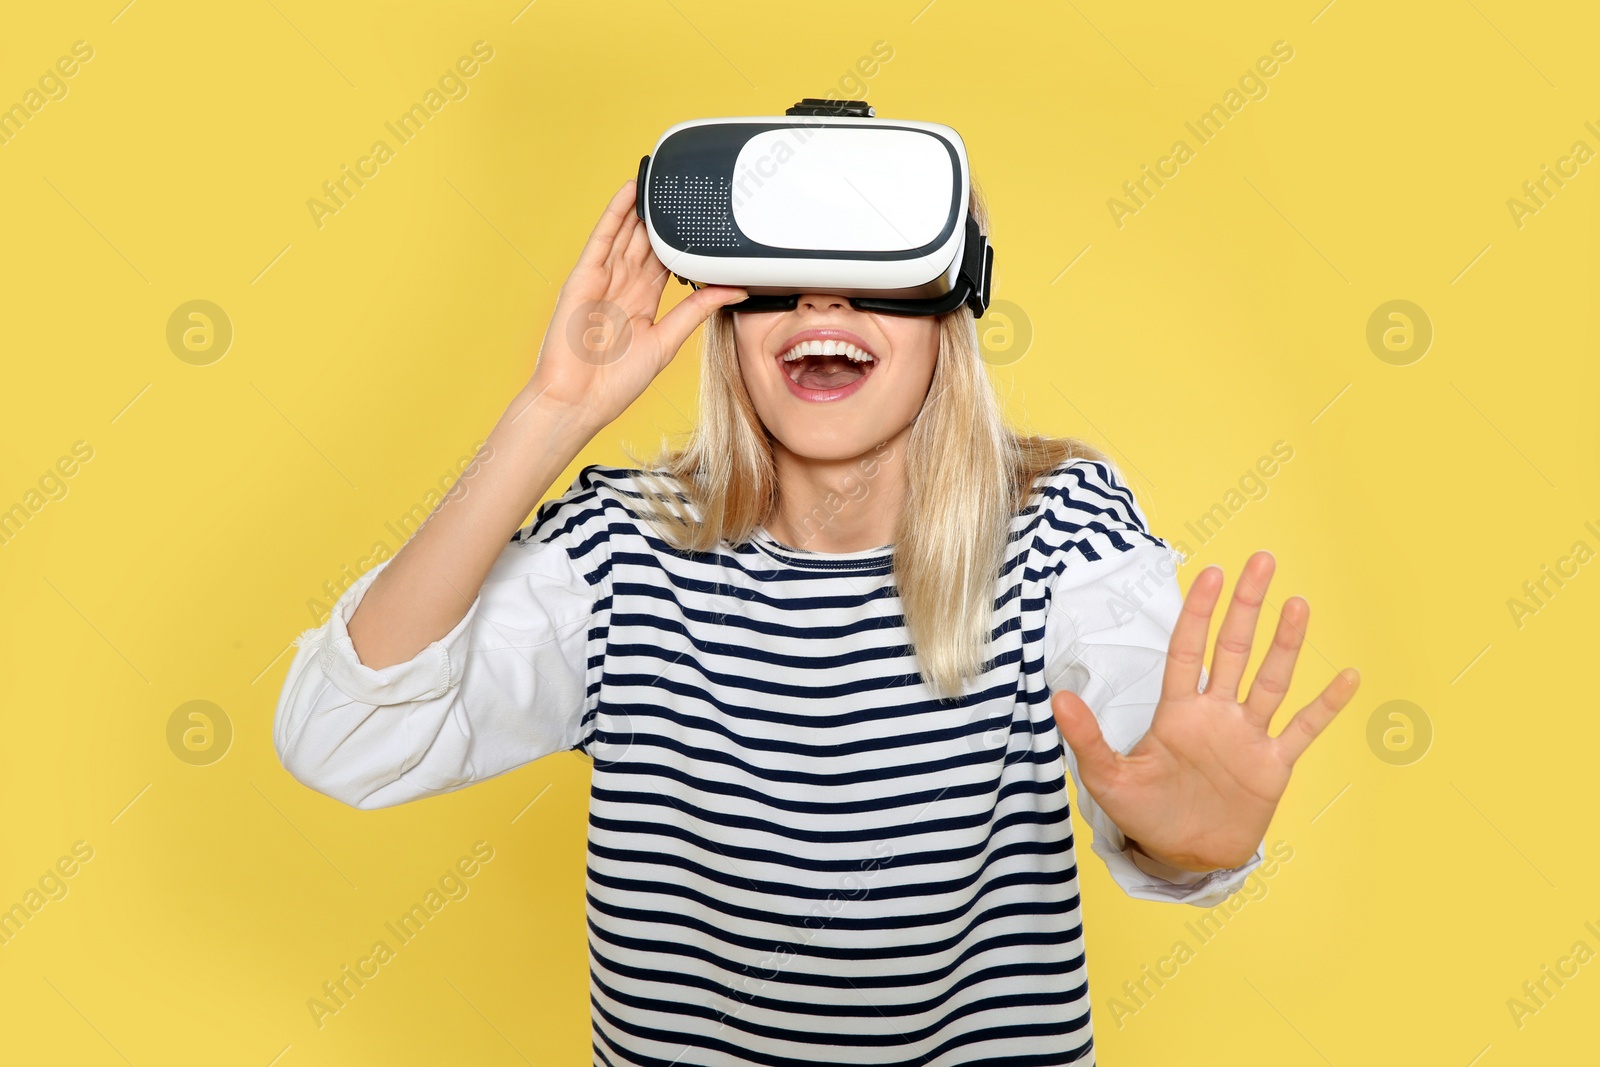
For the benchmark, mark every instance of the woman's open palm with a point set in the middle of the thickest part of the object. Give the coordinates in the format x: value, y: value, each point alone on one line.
x: 1199, y: 789
x: 604, y: 345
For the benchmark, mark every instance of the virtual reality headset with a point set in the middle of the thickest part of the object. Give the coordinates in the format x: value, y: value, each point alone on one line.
x: 826, y: 198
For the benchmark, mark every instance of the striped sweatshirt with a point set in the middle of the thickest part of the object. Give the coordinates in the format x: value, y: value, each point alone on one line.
x: 797, y: 854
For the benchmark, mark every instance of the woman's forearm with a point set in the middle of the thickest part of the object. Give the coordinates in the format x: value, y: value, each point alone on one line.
x: 433, y: 580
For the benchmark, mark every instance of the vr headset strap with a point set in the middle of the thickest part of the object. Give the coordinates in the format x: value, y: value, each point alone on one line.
x: 973, y: 284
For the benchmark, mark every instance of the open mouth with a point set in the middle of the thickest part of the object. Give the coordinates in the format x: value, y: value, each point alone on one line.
x: 825, y: 365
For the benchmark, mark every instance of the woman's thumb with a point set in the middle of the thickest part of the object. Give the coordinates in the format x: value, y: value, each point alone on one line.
x: 677, y: 324
x: 1096, y: 760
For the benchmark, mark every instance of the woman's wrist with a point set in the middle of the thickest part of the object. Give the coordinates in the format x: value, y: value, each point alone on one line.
x: 534, y: 441
x: 534, y: 413
x: 1130, y: 844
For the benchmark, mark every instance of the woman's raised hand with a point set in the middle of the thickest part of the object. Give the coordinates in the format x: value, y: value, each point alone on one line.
x: 1199, y: 789
x: 604, y: 345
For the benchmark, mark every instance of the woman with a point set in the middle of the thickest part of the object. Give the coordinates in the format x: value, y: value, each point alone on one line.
x: 823, y: 659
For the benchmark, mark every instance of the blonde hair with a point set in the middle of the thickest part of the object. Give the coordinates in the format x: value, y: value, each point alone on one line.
x: 968, y: 475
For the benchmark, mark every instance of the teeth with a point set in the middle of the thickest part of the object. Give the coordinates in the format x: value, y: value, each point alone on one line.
x: 827, y: 348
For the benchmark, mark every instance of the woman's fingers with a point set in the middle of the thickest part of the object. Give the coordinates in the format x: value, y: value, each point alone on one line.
x: 619, y: 242
x: 598, y: 248
x: 1238, y: 629
x: 1277, y: 667
x: 1312, y: 719
x: 638, y: 244
x: 639, y: 271
x: 1186, y: 649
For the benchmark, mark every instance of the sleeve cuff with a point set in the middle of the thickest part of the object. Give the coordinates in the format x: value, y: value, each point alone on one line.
x: 426, y: 675
x: 1146, y: 878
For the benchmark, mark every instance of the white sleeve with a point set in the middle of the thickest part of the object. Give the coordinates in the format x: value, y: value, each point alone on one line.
x: 1106, y: 639
x: 504, y: 687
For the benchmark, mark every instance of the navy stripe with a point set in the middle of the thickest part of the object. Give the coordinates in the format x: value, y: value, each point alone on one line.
x: 1010, y: 1030
x: 844, y: 865
x: 848, y: 978
x: 1063, y: 876
x: 906, y: 950
x: 767, y: 887
x: 851, y: 806
x: 731, y: 821
x: 823, y: 744
x: 790, y: 1003
x: 822, y: 1037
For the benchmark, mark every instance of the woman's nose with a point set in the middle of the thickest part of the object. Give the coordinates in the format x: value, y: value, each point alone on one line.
x: 823, y: 301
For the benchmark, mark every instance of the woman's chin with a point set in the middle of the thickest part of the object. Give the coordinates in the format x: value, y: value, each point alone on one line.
x: 819, y: 446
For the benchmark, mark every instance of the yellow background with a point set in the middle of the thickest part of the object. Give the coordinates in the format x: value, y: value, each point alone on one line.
x: 370, y: 354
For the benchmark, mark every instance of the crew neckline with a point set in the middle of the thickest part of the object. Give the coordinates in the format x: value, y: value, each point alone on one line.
x: 810, y: 557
